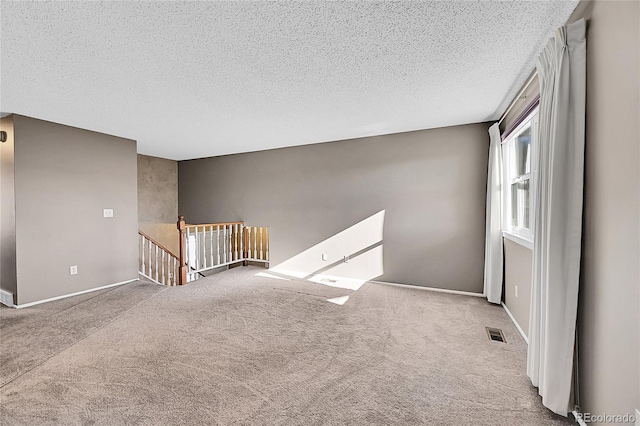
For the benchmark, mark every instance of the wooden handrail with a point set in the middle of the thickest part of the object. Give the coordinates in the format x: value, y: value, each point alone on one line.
x: 157, y: 243
x: 215, y: 224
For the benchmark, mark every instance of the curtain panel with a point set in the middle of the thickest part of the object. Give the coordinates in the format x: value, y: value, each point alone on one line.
x: 493, y: 256
x: 559, y: 176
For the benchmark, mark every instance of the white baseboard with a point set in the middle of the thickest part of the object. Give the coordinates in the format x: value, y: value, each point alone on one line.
x: 6, y: 298
x: 578, y: 416
x: 440, y: 290
x: 26, y: 305
x: 524, y: 336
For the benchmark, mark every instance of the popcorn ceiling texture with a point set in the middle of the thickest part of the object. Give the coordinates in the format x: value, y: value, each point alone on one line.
x: 196, y: 79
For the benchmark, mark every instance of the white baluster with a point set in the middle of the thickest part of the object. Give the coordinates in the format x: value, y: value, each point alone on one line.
x: 156, y: 260
x: 234, y: 246
x: 198, y: 248
x: 235, y: 242
x: 267, y: 254
x: 230, y: 244
x: 224, y: 242
x: 211, y: 244
x: 203, y: 241
x: 204, y: 247
x: 203, y: 244
x: 188, y: 252
x: 163, y: 266
x: 218, y: 243
x: 261, y: 242
x: 143, y: 266
x: 174, y: 270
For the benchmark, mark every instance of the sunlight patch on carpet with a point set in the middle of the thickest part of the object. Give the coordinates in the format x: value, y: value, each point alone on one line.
x: 264, y: 274
x: 339, y: 300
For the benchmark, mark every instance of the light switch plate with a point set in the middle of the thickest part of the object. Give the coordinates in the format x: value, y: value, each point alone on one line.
x: 73, y: 270
x: 324, y: 256
x: 107, y: 212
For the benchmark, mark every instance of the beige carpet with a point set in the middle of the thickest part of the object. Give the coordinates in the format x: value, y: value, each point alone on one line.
x: 234, y: 348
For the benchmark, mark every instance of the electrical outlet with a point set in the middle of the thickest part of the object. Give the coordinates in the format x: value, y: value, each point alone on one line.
x: 516, y: 291
x: 6, y: 298
x: 107, y: 213
x: 324, y: 256
x: 73, y: 270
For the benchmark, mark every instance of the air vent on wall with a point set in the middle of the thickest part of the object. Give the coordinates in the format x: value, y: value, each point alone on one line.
x: 496, y: 334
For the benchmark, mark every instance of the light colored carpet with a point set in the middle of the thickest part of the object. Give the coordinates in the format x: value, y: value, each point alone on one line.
x: 234, y: 348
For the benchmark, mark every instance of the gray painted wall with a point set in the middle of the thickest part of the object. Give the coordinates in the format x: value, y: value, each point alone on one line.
x: 609, y: 304
x: 158, y: 200
x: 431, y: 183
x: 7, y: 210
x: 517, y: 258
x: 64, y: 178
x: 517, y: 272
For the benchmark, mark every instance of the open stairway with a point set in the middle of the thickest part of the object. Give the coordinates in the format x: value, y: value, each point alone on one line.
x: 203, y: 247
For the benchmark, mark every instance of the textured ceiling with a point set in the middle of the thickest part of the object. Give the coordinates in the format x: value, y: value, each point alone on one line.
x: 196, y: 79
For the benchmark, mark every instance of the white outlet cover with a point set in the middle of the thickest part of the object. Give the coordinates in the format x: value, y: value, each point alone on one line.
x: 73, y: 270
x: 6, y: 298
x: 107, y: 212
x: 324, y: 256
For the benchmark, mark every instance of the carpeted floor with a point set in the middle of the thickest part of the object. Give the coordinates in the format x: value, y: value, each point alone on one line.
x: 235, y: 348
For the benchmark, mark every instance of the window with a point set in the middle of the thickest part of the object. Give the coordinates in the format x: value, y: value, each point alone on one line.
x: 517, y: 153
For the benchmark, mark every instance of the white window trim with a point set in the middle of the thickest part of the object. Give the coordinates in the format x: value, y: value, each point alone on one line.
x: 518, y: 239
x: 518, y: 235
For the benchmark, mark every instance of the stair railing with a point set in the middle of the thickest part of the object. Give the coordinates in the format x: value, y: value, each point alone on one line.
x: 204, y: 247
x: 156, y: 262
x: 256, y: 244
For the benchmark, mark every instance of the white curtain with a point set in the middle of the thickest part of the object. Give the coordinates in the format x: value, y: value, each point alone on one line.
x: 493, y: 240
x: 558, y: 215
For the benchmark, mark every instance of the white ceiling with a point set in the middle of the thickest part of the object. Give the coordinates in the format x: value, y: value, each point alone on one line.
x: 197, y: 79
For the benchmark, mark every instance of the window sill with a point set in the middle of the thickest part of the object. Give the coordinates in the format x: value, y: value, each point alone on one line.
x: 518, y: 239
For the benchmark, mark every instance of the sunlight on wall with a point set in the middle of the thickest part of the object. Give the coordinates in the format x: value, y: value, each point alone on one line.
x: 355, y: 273
x: 361, y: 243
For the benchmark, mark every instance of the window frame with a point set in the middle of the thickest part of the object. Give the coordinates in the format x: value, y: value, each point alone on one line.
x: 520, y: 235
